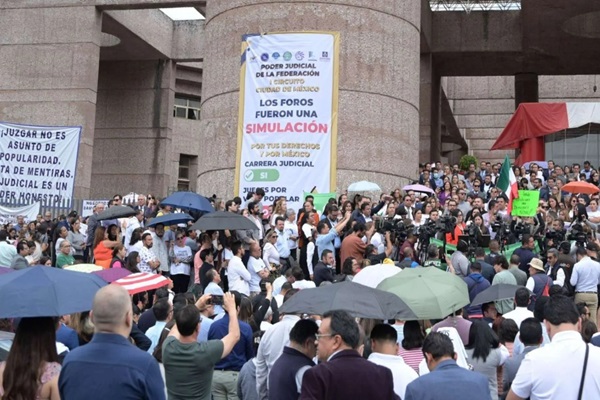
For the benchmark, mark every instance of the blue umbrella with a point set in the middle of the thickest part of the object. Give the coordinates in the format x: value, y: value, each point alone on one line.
x: 188, y: 201
x: 46, y: 292
x: 170, y: 219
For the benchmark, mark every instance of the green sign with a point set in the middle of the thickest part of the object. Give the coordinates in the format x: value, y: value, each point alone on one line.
x: 527, y: 203
x: 261, y: 175
x: 321, y: 200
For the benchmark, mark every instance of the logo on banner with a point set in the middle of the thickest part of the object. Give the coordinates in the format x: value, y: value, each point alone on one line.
x: 276, y: 56
x: 264, y: 57
x: 312, y: 56
x: 299, y: 56
x: 287, y: 56
x: 325, y: 56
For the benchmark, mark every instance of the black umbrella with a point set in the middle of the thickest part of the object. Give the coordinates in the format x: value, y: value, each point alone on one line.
x: 221, y: 220
x: 501, y: 291
x: 115, y: 212
x: 359, y: 300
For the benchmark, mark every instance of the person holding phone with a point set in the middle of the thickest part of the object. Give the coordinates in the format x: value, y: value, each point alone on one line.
x: 189, y: 365
x: 215, y: 290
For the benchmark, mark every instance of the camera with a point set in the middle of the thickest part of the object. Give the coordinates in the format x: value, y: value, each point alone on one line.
x: 522, y: 228
x: 577, y: 234
x: 395, y: 226
x: 555, y: 236
x: 448, y: 223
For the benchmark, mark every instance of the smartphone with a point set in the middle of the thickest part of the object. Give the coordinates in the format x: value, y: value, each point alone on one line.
x: 217, y: 299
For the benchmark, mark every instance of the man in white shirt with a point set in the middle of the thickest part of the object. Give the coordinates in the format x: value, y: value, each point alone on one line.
x: 163, y: 311
x: 237, y: 274
x: 148, y: 260
x: 543, y: 372
x: 133, y: 223
x: 214, y: 289
x: 585, y: 278
x: 7, y: 250
x: 255, y: 215
x: 520, y: 313
x: 385, y: 353
x: 270, y: 348
x: 258, y: 269
x: 160, y: 248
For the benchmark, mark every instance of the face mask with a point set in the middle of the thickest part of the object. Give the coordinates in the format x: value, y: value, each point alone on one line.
x: 436, y: 175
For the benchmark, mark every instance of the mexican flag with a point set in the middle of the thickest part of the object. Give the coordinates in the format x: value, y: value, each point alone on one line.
x: 507, y: 182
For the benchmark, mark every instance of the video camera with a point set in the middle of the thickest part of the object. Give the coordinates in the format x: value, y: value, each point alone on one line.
x: 555, y: 236
x: 522, y: 228
x: 501, y: 228
x: 397, y: 227
x: 577, y: 234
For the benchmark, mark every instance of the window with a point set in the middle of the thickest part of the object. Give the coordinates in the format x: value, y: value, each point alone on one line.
x: 185, y: 172
x: 186, y: 108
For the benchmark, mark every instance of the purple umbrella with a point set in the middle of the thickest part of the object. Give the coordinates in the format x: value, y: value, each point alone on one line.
x: 112, y: 274
x: 418, y: 188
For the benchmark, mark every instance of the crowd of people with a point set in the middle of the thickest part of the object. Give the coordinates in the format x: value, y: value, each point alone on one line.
x: 216, y: 332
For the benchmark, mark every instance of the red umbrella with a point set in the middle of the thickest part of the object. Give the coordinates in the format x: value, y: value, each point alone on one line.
x: 141, y: 282
x: 580, y: 187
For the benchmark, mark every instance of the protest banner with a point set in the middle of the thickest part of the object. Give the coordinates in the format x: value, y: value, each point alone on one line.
x: 287, y: 126
x: 10, y: 214
x: 526, y: 204
x: 37, y: 163
x: 88, y: 206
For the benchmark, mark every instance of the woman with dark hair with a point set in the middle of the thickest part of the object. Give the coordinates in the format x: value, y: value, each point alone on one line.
x: 553, y: 204
x: 113, y: 232
x: 507, y: 333
x: 118, y: 260
x: 135, y: 242
x: 103, y: 247
x: 446, y: 192
x: 342, y: 199
x: 346, y: 206
x: 132, y: 261
x: 77, y: 240
x: 411, y: 345
x: 485, y: 353
x: 31, y: 370
x: 350, y: 267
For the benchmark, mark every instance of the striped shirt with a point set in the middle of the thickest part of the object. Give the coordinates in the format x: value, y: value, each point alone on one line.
x: 411, y: 357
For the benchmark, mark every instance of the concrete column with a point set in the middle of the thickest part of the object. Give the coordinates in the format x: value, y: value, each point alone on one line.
x: 378, y: 91
x: 134, y: 127
x: 430, y: 137
x: 49, y: 73
x: 527, y: 91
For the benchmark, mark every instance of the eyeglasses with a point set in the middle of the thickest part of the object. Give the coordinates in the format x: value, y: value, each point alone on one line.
x: 179, y: 237
x: 319, y: 336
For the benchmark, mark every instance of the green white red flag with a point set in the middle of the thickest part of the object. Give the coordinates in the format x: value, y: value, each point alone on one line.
x: 507, y: 182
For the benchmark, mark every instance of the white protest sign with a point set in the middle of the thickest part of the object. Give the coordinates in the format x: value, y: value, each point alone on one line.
x: 10, y: 214
x: 88, y: 206
x: 37, y: 163
x: 287, y: 128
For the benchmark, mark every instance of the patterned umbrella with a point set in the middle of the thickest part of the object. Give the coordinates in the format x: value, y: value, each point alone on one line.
x: 112, y: 274
x: 141, y: 282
